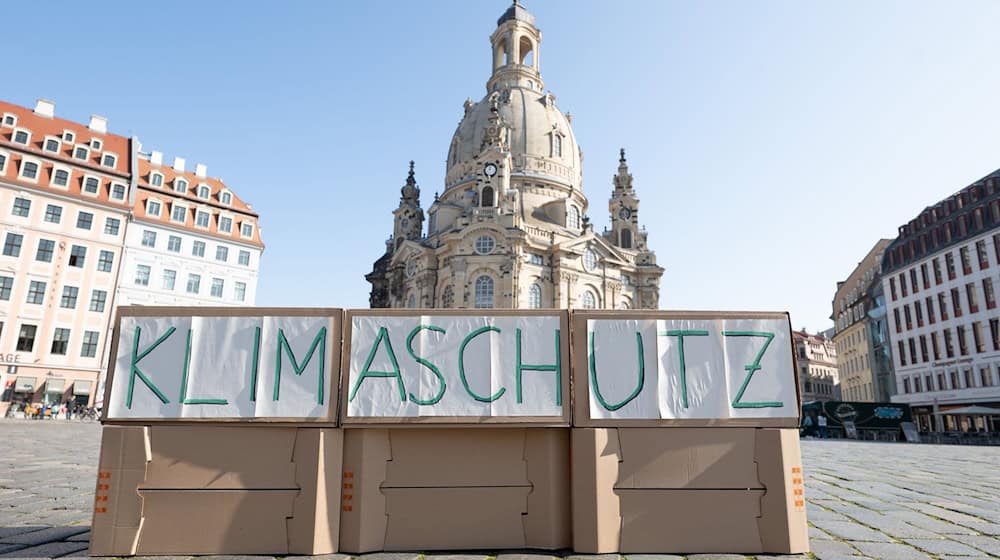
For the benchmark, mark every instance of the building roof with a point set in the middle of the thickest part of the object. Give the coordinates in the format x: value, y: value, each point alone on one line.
x: 516, y: 12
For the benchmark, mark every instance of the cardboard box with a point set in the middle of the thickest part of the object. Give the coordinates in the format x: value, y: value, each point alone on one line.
x: 688, y: 490
x: 455, y: 488
x: 200, y: 489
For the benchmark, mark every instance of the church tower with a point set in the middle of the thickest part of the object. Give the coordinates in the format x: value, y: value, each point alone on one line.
x: 510, y: 228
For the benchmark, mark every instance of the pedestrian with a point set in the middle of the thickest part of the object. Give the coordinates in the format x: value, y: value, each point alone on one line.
x: 807, y: 426
x: 69, y: 410
x: 822, y: 425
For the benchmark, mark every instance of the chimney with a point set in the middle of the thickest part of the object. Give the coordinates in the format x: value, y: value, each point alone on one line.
x: 99, y: 124
x: 201, y: 170
x: 156, y: 158
x: 45, y: 108
x: 179, y: 164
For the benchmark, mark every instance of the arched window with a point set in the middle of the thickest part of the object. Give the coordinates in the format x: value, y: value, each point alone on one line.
x: 203, y: 191
x: 411, y: 302
x: 448, y: 297
x: 587, y: 300
x: 486, y: 200
x: 557, y: 145
x: 626, y: 239
x: 484, y: 292
x: 623, y: 304
x: 527, y: 52
x: 573, y: 218
x: 535, y: 297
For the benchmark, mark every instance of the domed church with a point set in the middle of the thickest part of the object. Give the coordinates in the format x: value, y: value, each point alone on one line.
x: 510, y: 229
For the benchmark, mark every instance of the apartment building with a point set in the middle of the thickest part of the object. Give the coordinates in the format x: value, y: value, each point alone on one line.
x: 816, y: 358
x: 939, y: 278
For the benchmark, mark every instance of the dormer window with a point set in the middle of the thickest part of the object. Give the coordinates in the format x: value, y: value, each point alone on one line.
x: 29, y: 170
x: 226, y: 198
x: 96, y: 144
x: 204, y: 191
x: 573, y: 218
x: 60, y: 178
x: 52, y: 145
x: 246, y: 230
x: 118, y: 191
x: 91, y: 185
x: 178, y: 213
x: 225, y: 224
x: 9, y: 120
x: 109, y: 160
x: 201, y: 219
x: 68, y: 136
x: 156, y: 179
x: 3, y: 162
x: 22, y: 136
x: 180, y: 185
x: 557, y: 145
x: 81, y: 153
x: 153, y: 208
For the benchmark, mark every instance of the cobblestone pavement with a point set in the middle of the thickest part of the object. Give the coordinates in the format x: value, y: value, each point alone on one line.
x: 865, y: 499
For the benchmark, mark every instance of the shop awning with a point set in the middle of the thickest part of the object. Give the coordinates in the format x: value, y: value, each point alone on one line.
x: 974, y: 410
x: 55, y: 385
x: 81, y: 387
x: 24, y: 384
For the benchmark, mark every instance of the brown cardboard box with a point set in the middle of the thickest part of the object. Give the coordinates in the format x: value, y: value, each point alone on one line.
x: 445, y: 488
x: 688, y: 490
x: 176, y: 489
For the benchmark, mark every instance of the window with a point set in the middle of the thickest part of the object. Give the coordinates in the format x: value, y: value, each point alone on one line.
x: 198, y: 249
x: 148, y: 238
x: 203, y: 191
x: 943, y: 307
x: 535, y: 258
x: 949, y: 350
x: 174, y: 244
x: 178, y: 213
x: 22, y: 207
x: 902, y: 352
x: 573, y: 218
x: 9, y: 119
x: 929, y: 304
x: 587, y: 300
x: 892, y: 288
x: 60, y: 178
x: 916, y: 385
x: 12, y: 245
x: 156, y: 179
x: 589, y: 259
x: 96, y: 144
x: 913, y: 280
x: 69, y: 297
x: 105, y: 261
x: 118, y: 191
x: 81, y: 153
x: 29, y: 170
x: 956, y: 302
x: 246, y: 229
x: 91, y: 185
x: 919, y: 312
x: 955, y: 383
x: 36, y: 292
x: 51, y: 145
x: 142, y: 275
x: 153, y: 208
x: 934, y: 346
x: 485, y: 244
x: 217, y: 285
x: 226, y: 198
x: 448, y: 297
x: 26, y: 338
x: 6, y: 284
x: 169, y: 278
x: 60, y: 340
x: 534, y: 296
x: 906, y: 385
x: 3, y: 162
x: 906, y: 314
x: 626, y: 239
x: 995, y: 333
x: 193, y: 283
x: 68, y: 136
x: 240, y: 293
x: 557, y: 145
x: 244, y: 258
x: 991, y: 298
x: 225, y: 224
x: 970, y: 294
x: 984, y: 259
x: 221, y: 253
x: 84, y: 220
x: 902, y: 284
x: 985, y: 377
x: 22, y: 137
x: 201, y: 219
x: 180, y: 185
x: 112, y: 225
x: 98, y: 298
x: 108, y: 160
x: 937, y: 271
x: 913, y: 351
x: 45, y: 249
x: 977, y: 337
x: 484, y: 292
x: 963, y: 253
x: 89, y: 349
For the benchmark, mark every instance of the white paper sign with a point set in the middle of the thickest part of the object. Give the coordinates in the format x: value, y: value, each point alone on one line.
x: 223, y: 367
x: 407, y: 367
x: 698, y: 369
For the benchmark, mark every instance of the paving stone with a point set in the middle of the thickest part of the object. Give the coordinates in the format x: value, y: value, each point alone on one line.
x: 5, y: 548
x: 82, y: 537
x: 11, y: 531
x: 893, y: 551
x: 853, y: 531
x: 47, y: 550
x: 831, y: 548
x: 942, y: 546
x: 44, y: 536
x: 984, y: 543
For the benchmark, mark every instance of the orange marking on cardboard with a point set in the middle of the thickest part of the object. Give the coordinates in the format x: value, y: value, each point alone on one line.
x: 348, y: 474
x: 348, y: 486
x: 347, y: 508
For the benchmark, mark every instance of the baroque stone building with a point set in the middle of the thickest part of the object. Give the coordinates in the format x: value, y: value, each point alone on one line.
x: 510, y: 229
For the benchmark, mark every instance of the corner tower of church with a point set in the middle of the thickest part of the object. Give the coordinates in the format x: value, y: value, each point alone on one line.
x: 510, y: 228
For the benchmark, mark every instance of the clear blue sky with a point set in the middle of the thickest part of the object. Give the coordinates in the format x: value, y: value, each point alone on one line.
x: 772, y: 143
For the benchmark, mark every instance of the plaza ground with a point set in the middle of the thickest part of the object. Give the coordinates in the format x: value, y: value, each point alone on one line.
x: 865, y: 499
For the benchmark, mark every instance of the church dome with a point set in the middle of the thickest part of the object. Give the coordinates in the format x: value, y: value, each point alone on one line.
x: 539, y: 136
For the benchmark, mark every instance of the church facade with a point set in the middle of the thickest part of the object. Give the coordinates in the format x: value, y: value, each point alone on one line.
x: 510, y: 228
